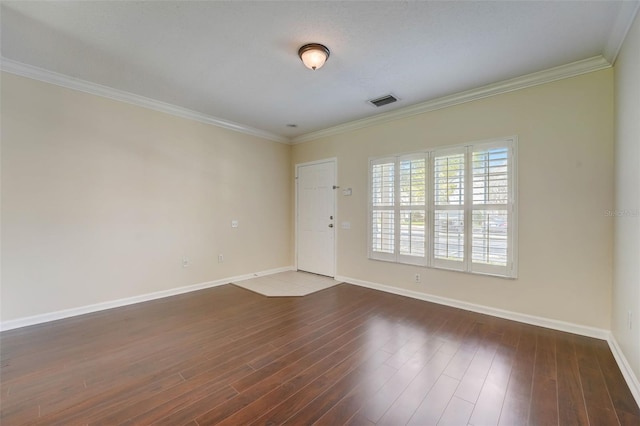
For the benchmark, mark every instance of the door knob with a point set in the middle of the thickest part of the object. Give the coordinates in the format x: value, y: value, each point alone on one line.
x: 331, y: 225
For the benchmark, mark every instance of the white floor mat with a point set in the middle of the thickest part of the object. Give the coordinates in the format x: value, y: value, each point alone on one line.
x: 287, y: 284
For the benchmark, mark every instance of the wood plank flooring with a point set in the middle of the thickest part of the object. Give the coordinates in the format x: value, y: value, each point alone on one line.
x: 345, y: 355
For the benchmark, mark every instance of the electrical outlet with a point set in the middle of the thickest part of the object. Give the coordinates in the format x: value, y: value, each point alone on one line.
x: 185, y: 262
x: 417, y: 278
x: 220, y: 258
x: 630, y: 319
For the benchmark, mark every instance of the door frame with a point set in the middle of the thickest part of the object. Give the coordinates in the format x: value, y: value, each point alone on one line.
x: 333, y: 160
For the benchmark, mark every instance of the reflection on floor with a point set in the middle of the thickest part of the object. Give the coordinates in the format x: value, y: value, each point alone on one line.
x: 287, y: 284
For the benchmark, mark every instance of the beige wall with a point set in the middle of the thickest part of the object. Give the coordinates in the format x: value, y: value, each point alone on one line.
x: 101, y: 200
x: 626, y: 283
x: 565, y: 132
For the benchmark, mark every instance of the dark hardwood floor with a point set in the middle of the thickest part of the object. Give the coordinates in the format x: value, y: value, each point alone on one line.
x: 345, y: 355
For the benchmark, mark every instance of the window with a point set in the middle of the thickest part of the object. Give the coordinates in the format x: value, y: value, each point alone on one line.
x: 398, y: 209
x: 448, y: 208
x: 451, y: 208
x: 491, y: 209
x: 383, y: 213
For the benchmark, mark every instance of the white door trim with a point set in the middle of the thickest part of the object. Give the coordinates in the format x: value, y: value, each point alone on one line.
x: 333, y: 160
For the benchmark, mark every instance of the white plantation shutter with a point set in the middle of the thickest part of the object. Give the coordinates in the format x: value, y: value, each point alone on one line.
x: 448, y: 208
x: 398, y: 209
x: 382, y: 220
x: 451, y: 208
x: 412, y: 209
x: 491, y: 210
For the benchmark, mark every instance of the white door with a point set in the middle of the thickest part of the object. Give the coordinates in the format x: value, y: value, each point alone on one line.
x: 316, y: 212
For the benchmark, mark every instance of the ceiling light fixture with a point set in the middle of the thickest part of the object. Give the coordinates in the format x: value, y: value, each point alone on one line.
x: 313, y: 55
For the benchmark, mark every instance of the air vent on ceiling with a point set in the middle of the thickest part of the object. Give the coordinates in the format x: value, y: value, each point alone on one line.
x: 384, y: 100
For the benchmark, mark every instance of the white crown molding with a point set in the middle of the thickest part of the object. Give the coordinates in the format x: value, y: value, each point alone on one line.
x: 564, y: 71
x: 546, y: 76
x: 57, y: 315
x: 625, y: 368
x: 24, y: 70
x: 626, y: 15
x: 582, y: 330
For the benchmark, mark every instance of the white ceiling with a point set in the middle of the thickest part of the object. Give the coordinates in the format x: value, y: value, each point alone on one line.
x: 237, y: 61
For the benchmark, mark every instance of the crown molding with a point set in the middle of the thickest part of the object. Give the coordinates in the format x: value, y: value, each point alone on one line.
x: 622, y: 25
x: 541, y: 77
x: 546, y: 76
x: 36, y: 73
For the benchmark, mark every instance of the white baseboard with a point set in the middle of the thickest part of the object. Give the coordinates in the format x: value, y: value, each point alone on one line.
x: 598, y: 333
x: 625, y: 368
x: 623, y: 364
x: 66, y: 313
x: 264, y: 273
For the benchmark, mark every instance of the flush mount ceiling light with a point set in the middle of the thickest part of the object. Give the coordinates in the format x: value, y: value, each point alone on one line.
x: 313, y: 55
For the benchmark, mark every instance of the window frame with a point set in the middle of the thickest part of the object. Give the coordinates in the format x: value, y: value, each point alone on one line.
x: 434, y: 208
x: 509, y: 270
x: 407, y: 258
x: 380, y: 255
